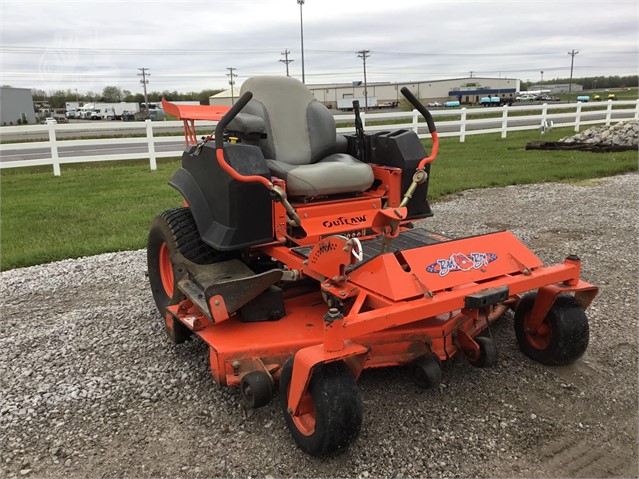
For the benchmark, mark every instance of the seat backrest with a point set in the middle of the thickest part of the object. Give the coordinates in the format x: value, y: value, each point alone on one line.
x: 299, y: 129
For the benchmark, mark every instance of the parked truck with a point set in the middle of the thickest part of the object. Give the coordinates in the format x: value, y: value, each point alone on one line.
x: 114, y: 111
x: 101, y: 111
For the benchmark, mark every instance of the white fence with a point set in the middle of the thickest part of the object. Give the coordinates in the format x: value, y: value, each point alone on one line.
x: 458, y: 122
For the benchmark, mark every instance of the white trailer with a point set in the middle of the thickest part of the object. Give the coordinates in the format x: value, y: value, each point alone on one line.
x: 101, y: 111
x: 114, y: 111
x: 346, y: 104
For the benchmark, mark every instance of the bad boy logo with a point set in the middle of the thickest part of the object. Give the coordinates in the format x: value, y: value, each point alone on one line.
x: 461, y: 262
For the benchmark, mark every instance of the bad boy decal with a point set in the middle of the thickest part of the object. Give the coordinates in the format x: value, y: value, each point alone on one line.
x: 461, y: 262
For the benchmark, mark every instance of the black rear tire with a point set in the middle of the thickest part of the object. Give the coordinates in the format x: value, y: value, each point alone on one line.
x: 565, y: 331
x: 336, y: 404
x: 174, y: 230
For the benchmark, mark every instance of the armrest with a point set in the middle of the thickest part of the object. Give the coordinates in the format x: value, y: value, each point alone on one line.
x: 341, y: 144
x: 247, y: 123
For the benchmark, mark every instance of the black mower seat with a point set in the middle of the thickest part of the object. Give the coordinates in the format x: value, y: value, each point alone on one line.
x: 301, y: 145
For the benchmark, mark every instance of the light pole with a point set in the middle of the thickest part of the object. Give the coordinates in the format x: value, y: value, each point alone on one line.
x: 301, y: 2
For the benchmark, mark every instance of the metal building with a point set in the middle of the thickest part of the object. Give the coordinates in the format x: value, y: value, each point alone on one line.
x: 555, y: 88
x: 224, y: 98
x: 16, y: 106
x: 467, y: 90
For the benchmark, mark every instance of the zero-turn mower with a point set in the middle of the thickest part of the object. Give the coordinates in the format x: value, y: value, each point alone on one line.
x: 296, y: 259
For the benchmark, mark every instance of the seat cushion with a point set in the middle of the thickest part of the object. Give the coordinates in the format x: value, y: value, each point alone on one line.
x: 338, y: 173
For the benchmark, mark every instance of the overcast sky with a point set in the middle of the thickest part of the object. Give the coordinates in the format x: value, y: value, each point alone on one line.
x: 187, y: 45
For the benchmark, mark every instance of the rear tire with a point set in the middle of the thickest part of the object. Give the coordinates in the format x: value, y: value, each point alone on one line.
x: 563, y: 336
x: 334, y: 409
x: 174, y: 230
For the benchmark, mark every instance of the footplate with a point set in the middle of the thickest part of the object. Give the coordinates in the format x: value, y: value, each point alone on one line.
x: 220, y: 289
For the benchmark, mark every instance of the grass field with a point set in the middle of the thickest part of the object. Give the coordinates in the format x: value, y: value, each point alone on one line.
x: 98, y: 208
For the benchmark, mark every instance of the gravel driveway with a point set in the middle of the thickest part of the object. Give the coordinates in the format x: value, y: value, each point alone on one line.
x: 90, y: 387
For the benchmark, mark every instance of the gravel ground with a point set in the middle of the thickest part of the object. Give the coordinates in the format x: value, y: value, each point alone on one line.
x: 90, y: 387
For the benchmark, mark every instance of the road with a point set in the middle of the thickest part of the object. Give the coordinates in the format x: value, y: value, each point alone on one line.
x: 178, y: 145
x: 93, y: 150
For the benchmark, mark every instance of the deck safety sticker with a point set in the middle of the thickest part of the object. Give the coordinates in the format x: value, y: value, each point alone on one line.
x: 461, y: 262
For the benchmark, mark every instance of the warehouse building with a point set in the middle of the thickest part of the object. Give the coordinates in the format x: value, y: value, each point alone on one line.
x: 555, y: 88
x: 16, y: 106
x: 465, y: 90
x: 224, y: 98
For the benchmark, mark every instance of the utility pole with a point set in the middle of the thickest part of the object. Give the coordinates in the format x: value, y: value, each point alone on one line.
x: 231, y: 75
x: 145, y: 82
x: 286, y: 61
x: 364, y: 54
x: 300, y: 3
x: 572, y: 63
x: 471, y: 73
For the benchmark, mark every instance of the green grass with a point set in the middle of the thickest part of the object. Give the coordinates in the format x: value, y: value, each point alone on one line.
x: 83, y: 212
x: 98, y: 208
x: 487, y: 160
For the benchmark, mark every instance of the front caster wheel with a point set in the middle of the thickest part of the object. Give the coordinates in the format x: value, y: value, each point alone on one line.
x: 256, y: 389
x: 330, y: 412
x: 487, y: 353
x: 425, y: 372
x: 562, y: 337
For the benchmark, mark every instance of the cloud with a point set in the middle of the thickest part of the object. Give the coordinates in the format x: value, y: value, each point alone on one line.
x: 189, y: 44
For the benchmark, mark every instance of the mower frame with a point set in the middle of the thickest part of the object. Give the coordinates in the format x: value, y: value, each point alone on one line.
x: 377, y: 310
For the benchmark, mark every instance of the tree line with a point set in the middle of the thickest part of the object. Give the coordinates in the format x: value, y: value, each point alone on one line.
x: 591, y: 83
x: 114, y: 94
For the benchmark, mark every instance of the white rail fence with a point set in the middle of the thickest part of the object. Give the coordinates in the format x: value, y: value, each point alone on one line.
x: 470, y: 121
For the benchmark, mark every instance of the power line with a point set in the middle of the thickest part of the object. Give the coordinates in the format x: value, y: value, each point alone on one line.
x: 286, y: 61
x: 248, y: 51
x: 145, y: 82
x: 364, y: 54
